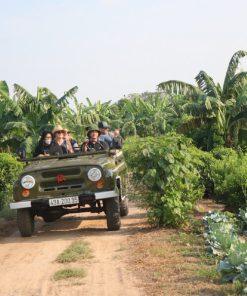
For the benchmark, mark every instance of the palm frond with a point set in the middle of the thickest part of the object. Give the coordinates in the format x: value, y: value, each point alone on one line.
x: 67, y: 95
x: 207, y: 85
x: 24, y: 98
x: 4, y: 90
x: 232, y: 67
x: 236, y: 84
x: 90, y: 104
x: 176, y: 87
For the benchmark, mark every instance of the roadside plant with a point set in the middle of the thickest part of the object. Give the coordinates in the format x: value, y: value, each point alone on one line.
x: 165, y: 169
x: 234, y: 267
x: 220, y: 232
x: 9, y: 170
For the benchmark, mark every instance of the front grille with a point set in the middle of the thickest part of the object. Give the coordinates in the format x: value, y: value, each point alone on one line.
x: 72, y: 178
x: 61, y: 187
x: 54, y: 183
x: 65, y: 172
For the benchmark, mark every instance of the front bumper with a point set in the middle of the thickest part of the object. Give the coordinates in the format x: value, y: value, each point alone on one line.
x: 96, y: 196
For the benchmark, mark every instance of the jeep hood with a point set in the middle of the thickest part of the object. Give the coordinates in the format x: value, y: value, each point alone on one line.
x: 45, y: 164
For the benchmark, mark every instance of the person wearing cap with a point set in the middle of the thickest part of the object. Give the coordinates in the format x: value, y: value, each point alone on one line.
x: 104, y: 133
x: 94, y: 143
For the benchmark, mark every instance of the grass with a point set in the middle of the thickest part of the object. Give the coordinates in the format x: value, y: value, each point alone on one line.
x: 76, y: 251
x: 209, y: 273
x: 67, y: 273
x: 170, y: 261
x: 8, y: 214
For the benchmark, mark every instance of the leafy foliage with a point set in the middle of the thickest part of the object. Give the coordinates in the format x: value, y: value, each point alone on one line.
x: 9, y: 170
x: 220, y: 232
x: 165, y: 169
x: 222, y: 107
x: 230, y: 183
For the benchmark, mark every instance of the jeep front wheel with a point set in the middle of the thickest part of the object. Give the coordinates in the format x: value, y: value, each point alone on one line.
x: 113, y: 213
x: 25, y: 222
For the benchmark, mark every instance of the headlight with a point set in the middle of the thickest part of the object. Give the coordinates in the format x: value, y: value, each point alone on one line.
x: 94, y: 174
x: 27, y: 182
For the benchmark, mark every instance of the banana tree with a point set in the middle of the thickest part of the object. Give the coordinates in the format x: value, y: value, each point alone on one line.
x: 209, y: 103
x: 82, y: 115
x: 145, y: 115
x: 27, y: 115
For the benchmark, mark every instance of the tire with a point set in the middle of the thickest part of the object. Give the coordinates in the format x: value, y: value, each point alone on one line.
x: 124, y: 207
x: 25, y: 222
x: 113, y: 213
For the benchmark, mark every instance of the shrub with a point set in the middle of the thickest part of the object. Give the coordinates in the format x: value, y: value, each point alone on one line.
x: 9, y: 170
x: 165, y: 169
x: 204, y: 163
x: 230, y: 180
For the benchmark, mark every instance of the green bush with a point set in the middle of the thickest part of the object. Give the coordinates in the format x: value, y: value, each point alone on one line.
x: 9, y: 170
x: 204, y: 163
x: 165, y: 169
x: 230, y: 180
x: 223, y: 153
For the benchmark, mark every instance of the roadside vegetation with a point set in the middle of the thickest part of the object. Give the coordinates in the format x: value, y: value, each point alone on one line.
x: 182, y: 143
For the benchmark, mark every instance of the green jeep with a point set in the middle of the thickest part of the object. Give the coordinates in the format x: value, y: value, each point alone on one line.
x: 54, y: 186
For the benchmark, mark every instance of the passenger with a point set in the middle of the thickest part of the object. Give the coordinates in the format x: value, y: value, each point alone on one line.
x: 73, y: 142
x: 67, y: 141
x: 44, y: 145
x: 117, y: 141
x: 104, y: 133
x: 94, y: 143
x: 58, y: 146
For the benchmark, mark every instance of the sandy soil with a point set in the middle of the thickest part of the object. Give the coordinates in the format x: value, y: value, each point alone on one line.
x: 27, y: 265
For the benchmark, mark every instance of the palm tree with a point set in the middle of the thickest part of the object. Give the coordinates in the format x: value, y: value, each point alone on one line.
x: 146, y: 114
x: 212, y: 104
x: 26, y: 116
x: 78, y: 118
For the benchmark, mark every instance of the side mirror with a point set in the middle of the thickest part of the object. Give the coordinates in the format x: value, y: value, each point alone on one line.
x: 22, y: 152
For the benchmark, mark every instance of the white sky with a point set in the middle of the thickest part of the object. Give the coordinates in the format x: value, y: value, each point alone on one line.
x: 110, y: 48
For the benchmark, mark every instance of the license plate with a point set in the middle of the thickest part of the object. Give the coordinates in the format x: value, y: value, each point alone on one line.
x: 68, y: 200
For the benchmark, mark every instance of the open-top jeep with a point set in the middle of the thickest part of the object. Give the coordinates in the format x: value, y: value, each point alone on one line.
x: 54, y: 186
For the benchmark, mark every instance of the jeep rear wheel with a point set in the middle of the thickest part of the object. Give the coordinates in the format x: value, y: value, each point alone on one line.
x: 25, y: 222
x: 113, y: 213
x: 124, y: 207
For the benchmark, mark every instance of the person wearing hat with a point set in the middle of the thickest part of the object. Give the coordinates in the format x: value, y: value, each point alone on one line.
x: 59, y: 145
x: 104, y: 133
x: 94, y: 143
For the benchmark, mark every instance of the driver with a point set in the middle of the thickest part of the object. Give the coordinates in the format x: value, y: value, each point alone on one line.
x: 93, y: 143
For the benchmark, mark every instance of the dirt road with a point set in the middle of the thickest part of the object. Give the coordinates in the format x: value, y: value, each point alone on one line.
x: 27, y: 265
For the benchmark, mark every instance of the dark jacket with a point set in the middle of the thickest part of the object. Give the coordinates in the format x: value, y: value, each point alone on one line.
x: 117, y: 142
x: 41, y: 148
x: 99, y: 145
x: 56, y: 149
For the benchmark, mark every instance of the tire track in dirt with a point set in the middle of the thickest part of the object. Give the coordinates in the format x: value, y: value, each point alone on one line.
x: 28, y: 264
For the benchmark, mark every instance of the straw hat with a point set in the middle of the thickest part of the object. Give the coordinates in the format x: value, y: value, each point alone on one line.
x: 58, y: 128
